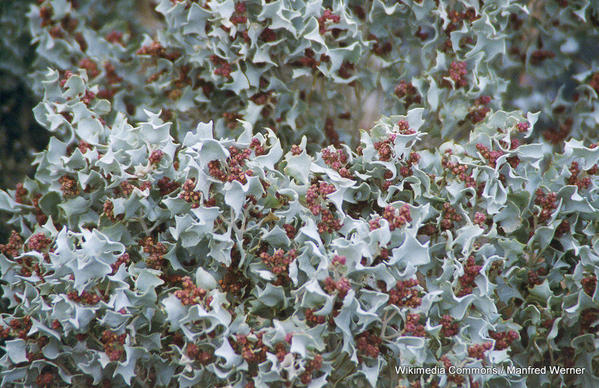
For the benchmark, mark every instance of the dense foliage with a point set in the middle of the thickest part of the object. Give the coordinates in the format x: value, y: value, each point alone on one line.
x: 291, y: 193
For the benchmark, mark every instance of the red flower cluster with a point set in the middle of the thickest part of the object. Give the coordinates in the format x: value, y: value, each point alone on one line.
x: 113, y: 344
x: 38, y: 242
x: 450, y: 215
x: 479, y: 110
x: 588, y: 317
x: 458, y: 379
x: 480, y: 219
x: 326, y: 16
x: 404, y: 294
x: 252, y: 352
x: 14, y: 245
x: 279, y: 262
x: 337, y: 160
x: 407, y: 90
x: 87, y: 298
x: 478, y: 351
x: 523, y: 126
x: 156, y: 156
x: 459, y: 170
x: 90, y: 67
x: 384, y: 148
x: 156, y: 250
x: 490, y: 156
x: 239, y: 16
x: 404, y: 128
x: 235, y: 166
x: 534, y: 277
x: 223, y: 68
x: 449, y: 326
x: 191, y: 294
x: 155, y: 49
x: 412, y: 160
x: 574, y: 179
x: 203, y: 356
x: 45, y: 379
x: 188, y: 193
x: 457, y: 72
x: 68, y: 186
x: 296, y: 150
x: 342, y: 285
x: 395, y: 218
x: 313, y: 319
x: 124, y: 259
x: 17, y: 328
x: 257, y: 147
x: 503, y: 339
x: 471, y: 271
x: 313, y: 365
x: 167, y: 186
x: 339, y: 260
x: 368, y: 344
x: 588, y: 284
x: 316, y: 194
x: 413, y: 326
x: 548, y: 203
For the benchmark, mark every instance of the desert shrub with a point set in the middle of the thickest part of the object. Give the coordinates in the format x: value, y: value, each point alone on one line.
x: 210, y: 212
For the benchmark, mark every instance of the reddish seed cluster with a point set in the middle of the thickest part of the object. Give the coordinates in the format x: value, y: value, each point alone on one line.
x: 480, y: 109
x: 342, y: 286
x: 113, y: 344
x: 339, y: 260
x: 450, y: 215
x: 459, y: 170
x: 404, y: 128
x: 574, y: 179
x: 124, y: 259
x: 337, y: 160
x: 457, y: 72
x: 368, y: 345
x: 539, y: 56
x: 490, y: 156
x: 458, y: 379
x: 223, y: 68
x: 189, y: 194
x: 471, y: 271
x: 156, y: 156
x: 314, y: 319
x: 385, y: 148
x: 523, y: 126
x: 296, y: 150
x: 327, y: 15
x: 268, y: 35
x: 14, y: 245
x: 316, y: 194
x: 563, y: 228
x: 193, y: 351
x: 191, y: 294
x: 588, y: 317
x: 156, y: 251
x: 108, y: 210
x: 406, y: 170
x: 90, y: 67
x: 588, y: 284
x: 17, y: 328
x: 396, y: 218
x: 167, y: 186
x: 535, y: 277
x: 87, y: 298
x: 115, y: 37
x: 252, y: 352
x: 404, y: 294
x: 480, y: 219
x: 478, y: 351
x: 20, y: 193
x: 38, y: 242
x: 558, y: 135
x: 279, y: 262
x: 449, y: 326
x: 257, y: 147
x: 407, y: 90
x: 155, y: 49
x: 68, y: 186
x: 239, y: 16
x: 547, y: 202
x: 328, y: 222
x: 45, y: 379
x: 234, y: 169
x: 413, y: 326
x: 313, y: 366
x: 503, y: 339
x: 290, y: 231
